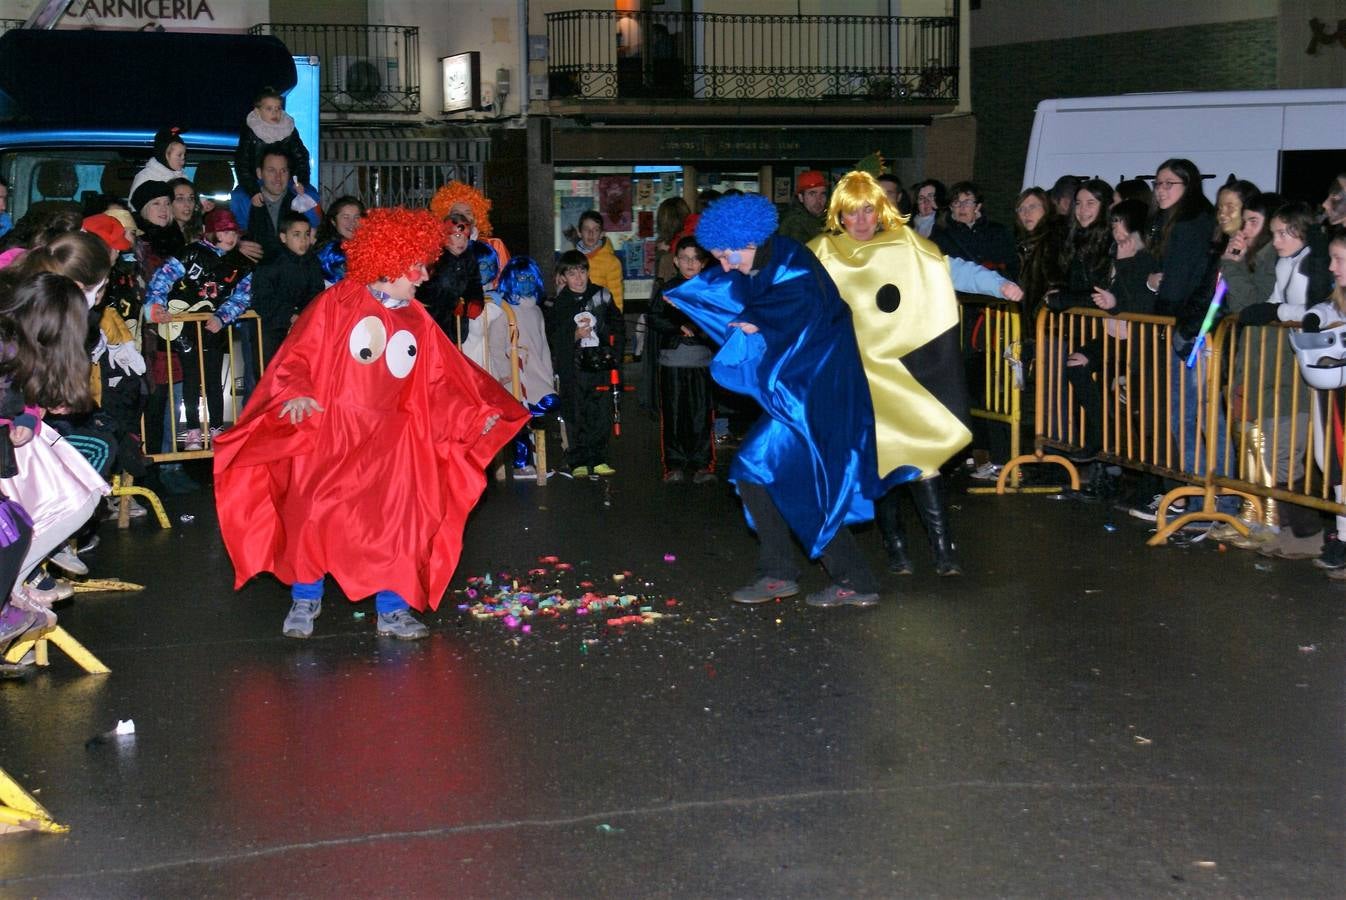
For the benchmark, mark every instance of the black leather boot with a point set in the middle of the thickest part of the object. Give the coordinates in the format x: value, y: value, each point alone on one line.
x: 888, y: 514
x: 929, y: 497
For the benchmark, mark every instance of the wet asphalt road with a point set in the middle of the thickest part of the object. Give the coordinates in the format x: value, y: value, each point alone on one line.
x: 1079, y: 716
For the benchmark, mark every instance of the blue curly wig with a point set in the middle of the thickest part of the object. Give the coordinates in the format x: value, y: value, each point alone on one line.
x: 521, y: 278
x: 732, y: 223
x: 488, y: 261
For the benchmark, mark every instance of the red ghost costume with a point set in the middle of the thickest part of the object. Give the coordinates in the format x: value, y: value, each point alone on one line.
x: 375, y: 489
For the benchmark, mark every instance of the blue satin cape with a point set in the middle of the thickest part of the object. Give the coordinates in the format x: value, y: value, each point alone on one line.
x: 813, y: 450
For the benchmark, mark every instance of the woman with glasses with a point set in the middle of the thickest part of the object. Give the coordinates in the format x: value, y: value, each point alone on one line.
x: 1182, y: 221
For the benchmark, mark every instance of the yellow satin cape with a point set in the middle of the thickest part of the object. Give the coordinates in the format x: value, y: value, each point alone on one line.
x: 911, y: 355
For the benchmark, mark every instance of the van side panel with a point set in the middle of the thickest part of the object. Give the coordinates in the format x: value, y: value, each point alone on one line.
x: 1240, y: 133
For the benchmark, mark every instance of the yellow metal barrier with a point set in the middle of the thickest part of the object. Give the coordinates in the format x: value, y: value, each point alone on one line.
x: 19, y: 811
x: 1284, y: 436
x: 1135, y: 400
x: 1243, y: 423
x: 996, y: 380
x: 194, y: 326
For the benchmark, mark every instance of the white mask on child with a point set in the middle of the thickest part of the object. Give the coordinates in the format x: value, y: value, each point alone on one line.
x: 91, y: 294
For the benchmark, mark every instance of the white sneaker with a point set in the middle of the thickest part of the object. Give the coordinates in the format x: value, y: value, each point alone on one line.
x: 1150, y: 511
x: 986, y: 472
x: 66, y: 559
x: 134, y: 509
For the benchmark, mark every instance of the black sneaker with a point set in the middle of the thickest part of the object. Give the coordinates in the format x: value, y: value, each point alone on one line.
x: 1334, y: 555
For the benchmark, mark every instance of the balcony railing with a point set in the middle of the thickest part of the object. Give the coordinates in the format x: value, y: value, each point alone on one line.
x: 365, y: 68
x: 605, y: 55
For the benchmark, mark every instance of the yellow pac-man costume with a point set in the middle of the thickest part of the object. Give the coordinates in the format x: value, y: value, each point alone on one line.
x: 902, y: 303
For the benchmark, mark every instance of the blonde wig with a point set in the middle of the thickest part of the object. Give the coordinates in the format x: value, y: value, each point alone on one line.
x: 853, y: 191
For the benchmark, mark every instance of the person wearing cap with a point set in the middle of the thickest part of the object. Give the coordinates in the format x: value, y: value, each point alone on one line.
x: 167, y: 161
x: 803, y: 221
x: 808, y: 466
x: 209, y: 276
x: 363, y: 449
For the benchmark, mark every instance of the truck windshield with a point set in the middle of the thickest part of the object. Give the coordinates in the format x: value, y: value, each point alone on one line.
x: 77, y: 174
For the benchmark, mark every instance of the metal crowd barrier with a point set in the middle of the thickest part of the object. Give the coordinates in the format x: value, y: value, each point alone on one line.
x: 1242, y: 422
x: 1284, y: 438
x: 123, y: 486
x: 991, y: 338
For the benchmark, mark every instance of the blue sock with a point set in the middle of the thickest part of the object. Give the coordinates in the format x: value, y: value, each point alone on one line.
x: 389, y: 601
x: 306, y: 590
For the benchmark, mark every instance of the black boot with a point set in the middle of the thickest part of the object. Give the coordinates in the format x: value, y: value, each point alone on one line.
x: 929, y: 498
x: 888, y: 514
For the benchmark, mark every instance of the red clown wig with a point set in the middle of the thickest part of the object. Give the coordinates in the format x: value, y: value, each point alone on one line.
x: 456, y: 192
x: 390, y: 241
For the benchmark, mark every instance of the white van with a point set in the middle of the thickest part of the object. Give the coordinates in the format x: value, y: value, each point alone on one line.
x: 1290, y: 141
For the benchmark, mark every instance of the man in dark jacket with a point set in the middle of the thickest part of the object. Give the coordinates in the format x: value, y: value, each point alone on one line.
x: 278, y: 193
x: 969, y: 235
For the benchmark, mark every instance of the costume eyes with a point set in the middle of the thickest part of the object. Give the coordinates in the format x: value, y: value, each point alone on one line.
x: 401, y: 354
x: 888, y: 298
x: 367, y: 340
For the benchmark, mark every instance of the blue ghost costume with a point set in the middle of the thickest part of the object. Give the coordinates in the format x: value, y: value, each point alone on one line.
x: 813, y: 450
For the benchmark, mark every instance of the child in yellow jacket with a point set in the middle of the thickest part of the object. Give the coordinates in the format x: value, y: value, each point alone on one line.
x: 605, y: 270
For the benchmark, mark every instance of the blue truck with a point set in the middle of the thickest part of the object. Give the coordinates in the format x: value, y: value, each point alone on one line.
x: 79, y: 109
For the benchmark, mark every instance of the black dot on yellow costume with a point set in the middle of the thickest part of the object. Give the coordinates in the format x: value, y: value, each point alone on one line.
x: 889, y: 298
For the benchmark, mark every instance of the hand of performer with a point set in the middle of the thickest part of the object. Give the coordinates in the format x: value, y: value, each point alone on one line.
x: 1154, y: 281
x: 1077, y: 359
x: 687, y: 331
x: 20, y: 435
x: 159, y: 314
x: 213, y: 325
x: 299, y: 409
x: 1011, y: 292
x: 746, y: 327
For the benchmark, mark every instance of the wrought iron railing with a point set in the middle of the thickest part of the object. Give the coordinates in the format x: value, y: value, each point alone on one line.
x: 601, y: 54
x: 365, y: 68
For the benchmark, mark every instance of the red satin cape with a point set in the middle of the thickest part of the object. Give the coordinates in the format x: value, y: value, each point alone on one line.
x: 376, y: 489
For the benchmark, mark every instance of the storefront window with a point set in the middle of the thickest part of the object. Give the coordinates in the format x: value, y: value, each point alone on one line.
x: 627, y: 197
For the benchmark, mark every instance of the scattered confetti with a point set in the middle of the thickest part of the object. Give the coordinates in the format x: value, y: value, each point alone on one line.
x: 605, y: 828
x: 357, y: 615
x: 518, y: 606
x: 669, y: 557
x: 187, y: 518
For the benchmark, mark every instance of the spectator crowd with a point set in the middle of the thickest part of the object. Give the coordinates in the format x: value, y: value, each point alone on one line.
x: 100, y: 372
